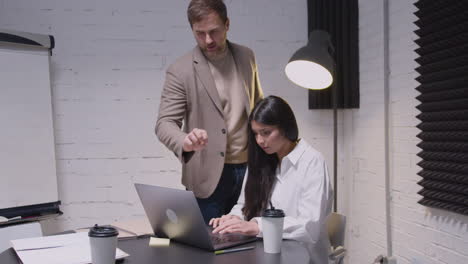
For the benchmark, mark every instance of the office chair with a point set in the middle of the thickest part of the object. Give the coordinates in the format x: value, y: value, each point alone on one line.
x: 336, y: 225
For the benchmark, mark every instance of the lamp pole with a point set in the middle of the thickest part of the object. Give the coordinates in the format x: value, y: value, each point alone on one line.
x: 335, y: 144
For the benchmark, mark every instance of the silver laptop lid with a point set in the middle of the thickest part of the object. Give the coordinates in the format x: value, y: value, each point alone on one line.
x: 174, y: 214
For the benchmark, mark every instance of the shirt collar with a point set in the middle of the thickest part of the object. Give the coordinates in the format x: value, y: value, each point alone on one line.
x: 291, y: 159
x: 297, y: 152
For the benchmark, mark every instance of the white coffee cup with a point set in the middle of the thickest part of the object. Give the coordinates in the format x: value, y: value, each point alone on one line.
x: 272, y: 225
x: 103, y: 242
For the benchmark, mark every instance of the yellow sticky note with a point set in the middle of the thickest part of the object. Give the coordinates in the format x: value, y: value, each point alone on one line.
x: 158, y: 242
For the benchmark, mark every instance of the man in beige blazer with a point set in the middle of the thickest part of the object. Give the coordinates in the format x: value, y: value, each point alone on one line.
x: 204, y: 108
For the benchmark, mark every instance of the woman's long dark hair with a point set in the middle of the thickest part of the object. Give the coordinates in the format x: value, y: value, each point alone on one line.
x: 272, y: 111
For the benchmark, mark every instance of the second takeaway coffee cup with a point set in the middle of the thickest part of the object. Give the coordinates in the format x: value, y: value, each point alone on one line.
x: 103, y: 242
x: 272, y: 225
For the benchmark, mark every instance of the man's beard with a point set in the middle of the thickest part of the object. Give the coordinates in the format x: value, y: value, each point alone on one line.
x: 217, y: 54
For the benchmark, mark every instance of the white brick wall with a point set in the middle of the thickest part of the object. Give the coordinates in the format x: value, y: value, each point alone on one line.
x: 107, y: 74
x: 420, y: 235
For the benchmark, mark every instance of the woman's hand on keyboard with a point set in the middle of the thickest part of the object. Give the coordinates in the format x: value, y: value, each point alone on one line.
x: 237, y: 225
x: 215, y: 222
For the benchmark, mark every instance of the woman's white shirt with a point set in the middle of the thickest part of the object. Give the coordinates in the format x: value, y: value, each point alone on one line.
x: 303, y: 191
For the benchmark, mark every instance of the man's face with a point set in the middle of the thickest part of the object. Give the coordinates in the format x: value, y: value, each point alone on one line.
x: 210, y: 34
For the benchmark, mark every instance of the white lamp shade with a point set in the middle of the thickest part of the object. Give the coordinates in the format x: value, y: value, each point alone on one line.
x: 312, y: 66
x: 308, y: 74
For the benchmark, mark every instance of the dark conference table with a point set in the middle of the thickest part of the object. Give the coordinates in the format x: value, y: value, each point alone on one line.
x: 141, y: 253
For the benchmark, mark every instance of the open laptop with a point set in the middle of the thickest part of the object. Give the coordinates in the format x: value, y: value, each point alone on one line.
x: 175, y: 214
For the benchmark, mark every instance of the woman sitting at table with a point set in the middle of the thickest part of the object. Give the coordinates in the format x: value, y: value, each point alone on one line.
x: 288, y: 172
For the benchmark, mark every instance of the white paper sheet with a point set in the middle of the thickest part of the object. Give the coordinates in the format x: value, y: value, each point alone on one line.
x: 61, y: 249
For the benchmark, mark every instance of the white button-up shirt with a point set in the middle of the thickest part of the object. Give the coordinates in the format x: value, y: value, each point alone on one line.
x: 303, y: 191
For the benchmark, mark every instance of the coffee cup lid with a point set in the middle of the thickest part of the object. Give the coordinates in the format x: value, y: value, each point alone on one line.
x: 273, y: 213
x: 102, y: 231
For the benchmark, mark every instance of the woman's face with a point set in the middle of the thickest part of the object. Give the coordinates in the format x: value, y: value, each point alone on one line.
x: 270, y: 138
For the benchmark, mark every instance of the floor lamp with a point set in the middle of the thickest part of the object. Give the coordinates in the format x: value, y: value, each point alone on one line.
x: 312, y: 67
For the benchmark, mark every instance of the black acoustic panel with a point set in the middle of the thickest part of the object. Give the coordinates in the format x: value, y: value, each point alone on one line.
x: 449, y: 94
x: 454, y: 83
x: 449, y: 206
x: 444, y: 146
x: 445, y: 196
x: 455, y: 157
x: 442, y: 55
x: 438, y: 13
x: 444, y: 187
x: 454, y: 62
x: 445, y: 115
x: 452, y: 167
x: 449, y: 105
x: 446, y: 136
x: 444, y: 176
x: 340, y: 19
x: 448, y: 32
x: 444, y: 126
x: 439, y: 25
x: 455, y: 40
x: 443, y: 67
x: 446, y: 73
x: 429, y: 6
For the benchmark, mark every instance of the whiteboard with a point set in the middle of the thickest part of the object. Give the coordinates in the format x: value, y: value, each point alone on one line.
x: 27, y: 149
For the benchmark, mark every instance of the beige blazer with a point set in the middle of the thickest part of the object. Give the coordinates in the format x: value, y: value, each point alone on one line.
x: 190, y: 99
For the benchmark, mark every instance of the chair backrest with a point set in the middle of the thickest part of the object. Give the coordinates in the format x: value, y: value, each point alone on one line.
x: 336, y: 225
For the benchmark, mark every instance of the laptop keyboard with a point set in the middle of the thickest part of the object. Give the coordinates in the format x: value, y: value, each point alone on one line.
x: 221, y: 239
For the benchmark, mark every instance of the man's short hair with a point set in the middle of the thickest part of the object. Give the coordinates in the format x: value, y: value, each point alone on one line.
x: 198, y: 9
